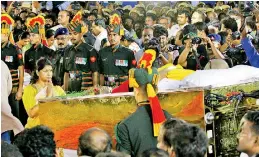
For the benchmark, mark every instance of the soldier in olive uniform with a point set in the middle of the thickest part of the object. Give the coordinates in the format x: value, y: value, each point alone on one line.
x: 80, y: 61
x: 38, y: 48
x: 62, y: 38
x: 14, y: 60
x: 138, y: 132
x: 115, y: 60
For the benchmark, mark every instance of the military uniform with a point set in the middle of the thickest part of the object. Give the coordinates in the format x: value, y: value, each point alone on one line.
x: 36, y: 25
x: 115, y: 65
x: 80, y: 62
x: 134, y: 134
x: 34, y: 53
x: 13, y: 59
x: 138, y: 132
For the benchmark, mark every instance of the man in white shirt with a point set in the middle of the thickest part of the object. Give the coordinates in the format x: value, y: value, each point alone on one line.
x: 183, y: 18
x: 99, y: 31
x: 63, y: 19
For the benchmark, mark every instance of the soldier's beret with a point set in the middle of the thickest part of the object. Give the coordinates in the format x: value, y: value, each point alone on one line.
x: 61, y: 31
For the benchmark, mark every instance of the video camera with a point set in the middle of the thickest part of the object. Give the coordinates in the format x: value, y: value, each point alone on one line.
x: 237, y: 55
x: 173, y: 47
x: 196, y: 40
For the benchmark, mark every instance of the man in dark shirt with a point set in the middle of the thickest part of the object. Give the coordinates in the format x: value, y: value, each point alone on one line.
x: 194, y: 55
x: 115, y: 60
x: 80, y: 61
x: 138, y: 132
x: 38, y: 48
x: 61, y: 35
x: 14, y: 60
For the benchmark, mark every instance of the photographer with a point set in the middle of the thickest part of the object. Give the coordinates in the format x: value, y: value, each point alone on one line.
x: 211, y: 41
x: 194, y: 56
x: 233, y: 48
x: 168, y: 52
x: 250, y: 51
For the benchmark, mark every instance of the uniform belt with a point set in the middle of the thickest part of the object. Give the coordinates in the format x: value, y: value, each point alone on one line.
x: 77, y: 75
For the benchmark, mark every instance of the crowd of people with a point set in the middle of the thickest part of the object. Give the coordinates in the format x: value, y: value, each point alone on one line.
x: 74, y: 46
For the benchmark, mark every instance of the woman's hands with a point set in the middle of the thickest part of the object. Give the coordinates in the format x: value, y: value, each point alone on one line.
x: 50, y: 90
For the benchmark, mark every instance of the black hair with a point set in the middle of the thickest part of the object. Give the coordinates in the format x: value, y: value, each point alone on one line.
x: 50, y: 33
x: 40, y: 64
x: 32, y: 14
x: 188, y: 29
x: 223, y: 37
x: 230, y: 23
x: 186, y: 139
x: 152, y: 16
x: 154, y: 152
x: 17, y: 18
x: 93, y: 14
x: 185, y: 12
x: 252, y: 24
x: 37, y: 142
x: 148, y: 27
x: 50, y: 16
x: 222, y: 16
x: 128, y: 17
x: 86, y: 141
x: 160, y: 30
x: 24, y: 35
x: 24, y: 11
x: 201, y: 26
x: 9, y: 150
x: 253, y: 117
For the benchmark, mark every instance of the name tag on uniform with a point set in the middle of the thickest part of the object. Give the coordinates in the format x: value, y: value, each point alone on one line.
x: 80, y: 60
x: 9, y: 58
x: 123, y: 63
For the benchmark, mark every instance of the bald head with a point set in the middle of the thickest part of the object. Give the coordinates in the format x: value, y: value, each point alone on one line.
x: 94, y: 141
x: 217, y: 64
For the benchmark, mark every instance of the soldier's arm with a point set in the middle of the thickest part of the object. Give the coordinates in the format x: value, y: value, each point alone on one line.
x: 21, y: 76
x: 122, y: 138
x: 100, y: 63
x: 26, y: 62
x: 21, y: 80
x: 66, y: 78
x: 94, y: 66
